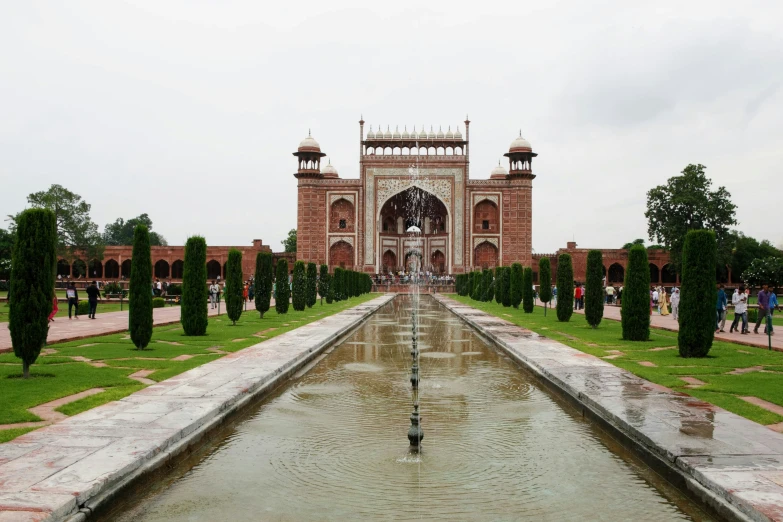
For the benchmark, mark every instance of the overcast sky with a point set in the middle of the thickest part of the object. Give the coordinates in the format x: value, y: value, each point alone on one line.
x: 190, y: 110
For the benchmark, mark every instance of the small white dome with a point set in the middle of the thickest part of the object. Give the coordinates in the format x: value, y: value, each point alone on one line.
x: 440, y: 134
x: 370, y: 134
x: 309, y: 143
x: 396, y: 134
x: 520, y: 143
x: 328, y: 171
x: 387, y: 135
x: 423, y: 133
x: 499, y: 171
x: 449, y: 134
x: 431, y: 134
x: 413, y: 230
x: 457, y: 134
x: 405, y: 134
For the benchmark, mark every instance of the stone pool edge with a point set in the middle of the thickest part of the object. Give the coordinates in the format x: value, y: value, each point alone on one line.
x: 737, y: 470
x: 67, y: 470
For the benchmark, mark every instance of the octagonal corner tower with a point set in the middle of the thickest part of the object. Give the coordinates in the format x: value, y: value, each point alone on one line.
x: 414, y: 178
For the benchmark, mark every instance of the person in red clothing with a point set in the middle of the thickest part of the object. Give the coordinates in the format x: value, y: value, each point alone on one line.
x: 55, y: 308
x: 577, y: 296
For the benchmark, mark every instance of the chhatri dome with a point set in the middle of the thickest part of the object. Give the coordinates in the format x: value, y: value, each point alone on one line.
x: 328, y: 171
x: 309, y: 144
x: 520, y: 145
x: 499, y: 172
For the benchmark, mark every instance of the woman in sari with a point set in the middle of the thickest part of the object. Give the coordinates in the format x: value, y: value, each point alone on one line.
x: 663, y: 301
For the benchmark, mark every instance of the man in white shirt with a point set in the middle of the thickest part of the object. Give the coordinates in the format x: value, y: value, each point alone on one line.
x: 740, y: 302
x: 655, y: 299
x: 214, y: 291
x: 675, y: 299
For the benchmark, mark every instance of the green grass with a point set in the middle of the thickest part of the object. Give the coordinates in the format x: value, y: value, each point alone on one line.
x: 62, y: 313
x: 722, y: 388
x: 57, y: 375
x: 6, y: 435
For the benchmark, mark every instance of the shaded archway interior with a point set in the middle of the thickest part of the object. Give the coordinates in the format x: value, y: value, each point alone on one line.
x: 413, y: 207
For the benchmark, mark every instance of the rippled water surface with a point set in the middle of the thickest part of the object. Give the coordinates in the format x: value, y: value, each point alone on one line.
x: 332, y: 445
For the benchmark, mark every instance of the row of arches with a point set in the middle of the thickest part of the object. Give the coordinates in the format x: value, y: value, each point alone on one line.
x: 413, y: 151
x: 111, y: 269
x: 413, y: 262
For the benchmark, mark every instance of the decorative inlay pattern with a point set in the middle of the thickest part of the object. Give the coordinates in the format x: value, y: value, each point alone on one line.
x: 489, y: 197
x: 478, y: 240
x: 440, y: 187
x: 346, y: 197
x: 337, y: 239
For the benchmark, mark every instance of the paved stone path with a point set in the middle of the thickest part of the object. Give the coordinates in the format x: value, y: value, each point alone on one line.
x: 667, y: 322
x: 62, y: 329
x: 47, y: 411
x: 53, y: 472
x: 725, y: 459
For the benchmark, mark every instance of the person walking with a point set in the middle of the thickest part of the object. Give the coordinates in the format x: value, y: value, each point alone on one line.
x: 93, y: 294
x: 73, y: 300
x: 720, y: 309
x: 675, y: 303
x: 214, y: 292
x: 655, y: 297
x: 763, y: 303
x: 663, y: 302
x: 740, y: 302
x: 55, y: 308
x: 577, y: 296
x: 554, y: 294
x: 773, y: 304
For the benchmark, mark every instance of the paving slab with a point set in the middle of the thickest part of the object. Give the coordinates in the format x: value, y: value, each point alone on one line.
x: 730, y: 462
x: 51, y: 473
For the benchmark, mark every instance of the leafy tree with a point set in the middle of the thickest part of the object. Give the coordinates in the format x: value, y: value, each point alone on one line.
x: 140, y: 290
x: 628, y: 246
x: 6, y: 246
x: 32, y: 284
x: 234, y: 287
x: 565, y: 288
x: 635, y: 312
x: 323, y: 284
x: 697, y: 304
x: 263, y: 282
x: 594, y: 288
x: 194, y: 284
x: 76, y: 233
x: 282, y: 291
x: 745, y: 249
x: 545, y: 279
x: 516, y: 284
x: 687, y: 203
x: 768, y: 270
x: 527, y: 290
x: 290, y: 242
x: 299, y: 287
x: 121, y: 232
x: 312, y: 284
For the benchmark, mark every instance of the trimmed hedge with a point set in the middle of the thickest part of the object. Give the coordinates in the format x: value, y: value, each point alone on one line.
x: 33, y: 267
x: 486, y: 285
x: 697, y: 304
x: 140, y: 289
x: 545, y: 281
x: 194, y: 281
x: 83, y: 307
x: 263, y: 282
x: 312, y: 284
x: 158, y: 302
x: 506, y: 286
x: 113, y: 288
x: 594, y: 288
x: 475, y: 292
x: 234, y: 287
x: 338, y: 284
x: 527, y: 290
x: 299, y: 287
x: 323, y: 284
x: 282, y: 291
x: 516, y: 284
x: 635, y: 311
x: 565, y: 288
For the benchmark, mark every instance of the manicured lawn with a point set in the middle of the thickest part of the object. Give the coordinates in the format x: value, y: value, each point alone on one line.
x: 57, y: 374
x: 722, y: 388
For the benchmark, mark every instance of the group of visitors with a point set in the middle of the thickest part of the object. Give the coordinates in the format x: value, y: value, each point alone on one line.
x: 72, y: 296
x: 421, y: 277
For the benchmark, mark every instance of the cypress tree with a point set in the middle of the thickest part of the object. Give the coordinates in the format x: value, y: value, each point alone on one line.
x: 635, y: 312
x: 323, y: 283
x: 475, y: 292
x: 565, y: 288
x: 312, y: 284
x: 545, y: 278
x: 263, y: 282
x: 194, y: 283
x: 140, y: 289
x: 234, y: 297
x: 516, y: 284
x: 337, y: 282
x: 697, y: 304
x: 594, y: 288
x: 330, y: 291
x: 499, y: 285
x: 506, y: 286
x: 299, y: 287
x: 34, y: 263
x: 282, y: 291
x: 527, y: 290
x: 486, y: 285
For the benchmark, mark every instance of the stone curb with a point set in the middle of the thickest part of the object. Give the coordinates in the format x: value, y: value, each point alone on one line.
x: 67, y: 470
x: 732, y: 464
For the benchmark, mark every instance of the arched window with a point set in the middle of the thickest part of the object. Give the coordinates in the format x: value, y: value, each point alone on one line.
x: 213, y: 269
x: 486, y: 255
x: 341, y: 255
x: 63, y: 268
x: 616, y: 273
x: 654, y: 274
x: 126, y: 268
x: 341, y: 216
x: 96, y: 269
x: 177, y: 269
x: 111, y: 270
x: 668, y: 274
x: 161, y: 269
x: 485, y: 217
x: 78, y: 269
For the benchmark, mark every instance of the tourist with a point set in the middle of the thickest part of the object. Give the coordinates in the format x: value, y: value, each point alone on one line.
x: 773, y: 303
x: 73, y: 300
x: 93, y: 294
x: 577, y: 296
x: 55, y: 308
x: 610, y: 294
x: 740, y: 302
x: 554, y: 294
x: 158, y: 287
x: 675, y: 303
x: 214, y: 293
x: 763, y: 306
x: 251, y: 292
x: 655, y: 297
x: 245, y: 291
x: 663, y: 302
x: 720, y: 309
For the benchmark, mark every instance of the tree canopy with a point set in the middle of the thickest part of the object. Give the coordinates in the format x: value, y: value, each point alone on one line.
x: 745, y: 249
x: 76, y: 232
x: 768, y: 270
x: 290, y: 242
x: 121, y: 232
x: 628, y: 246
x: 687, y: 203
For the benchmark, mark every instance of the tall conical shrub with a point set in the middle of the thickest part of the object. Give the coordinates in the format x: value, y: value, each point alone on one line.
x: 337, y: 282
x: 527, y: 290
x: 499, y: 285
x: 299, y: 287
x: 697, y: 304
x: 506, y: 286
x: 33, y: 265
x: 263, y: 282
x: 635, y: 312
x: 475, y: 292
x: 545, y: 281
x: 565, y: 288
x: 486, y: 285
x: 282, y: 291
x: 194, y: 285
x: 323, y: 284
x: 515, y: 284
x: 234, y: 288
x: 594, y: 288
x: 140, y: 289
x: 312, y: 284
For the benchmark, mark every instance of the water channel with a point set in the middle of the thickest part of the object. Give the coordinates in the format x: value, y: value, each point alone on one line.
x: 331, y: 444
